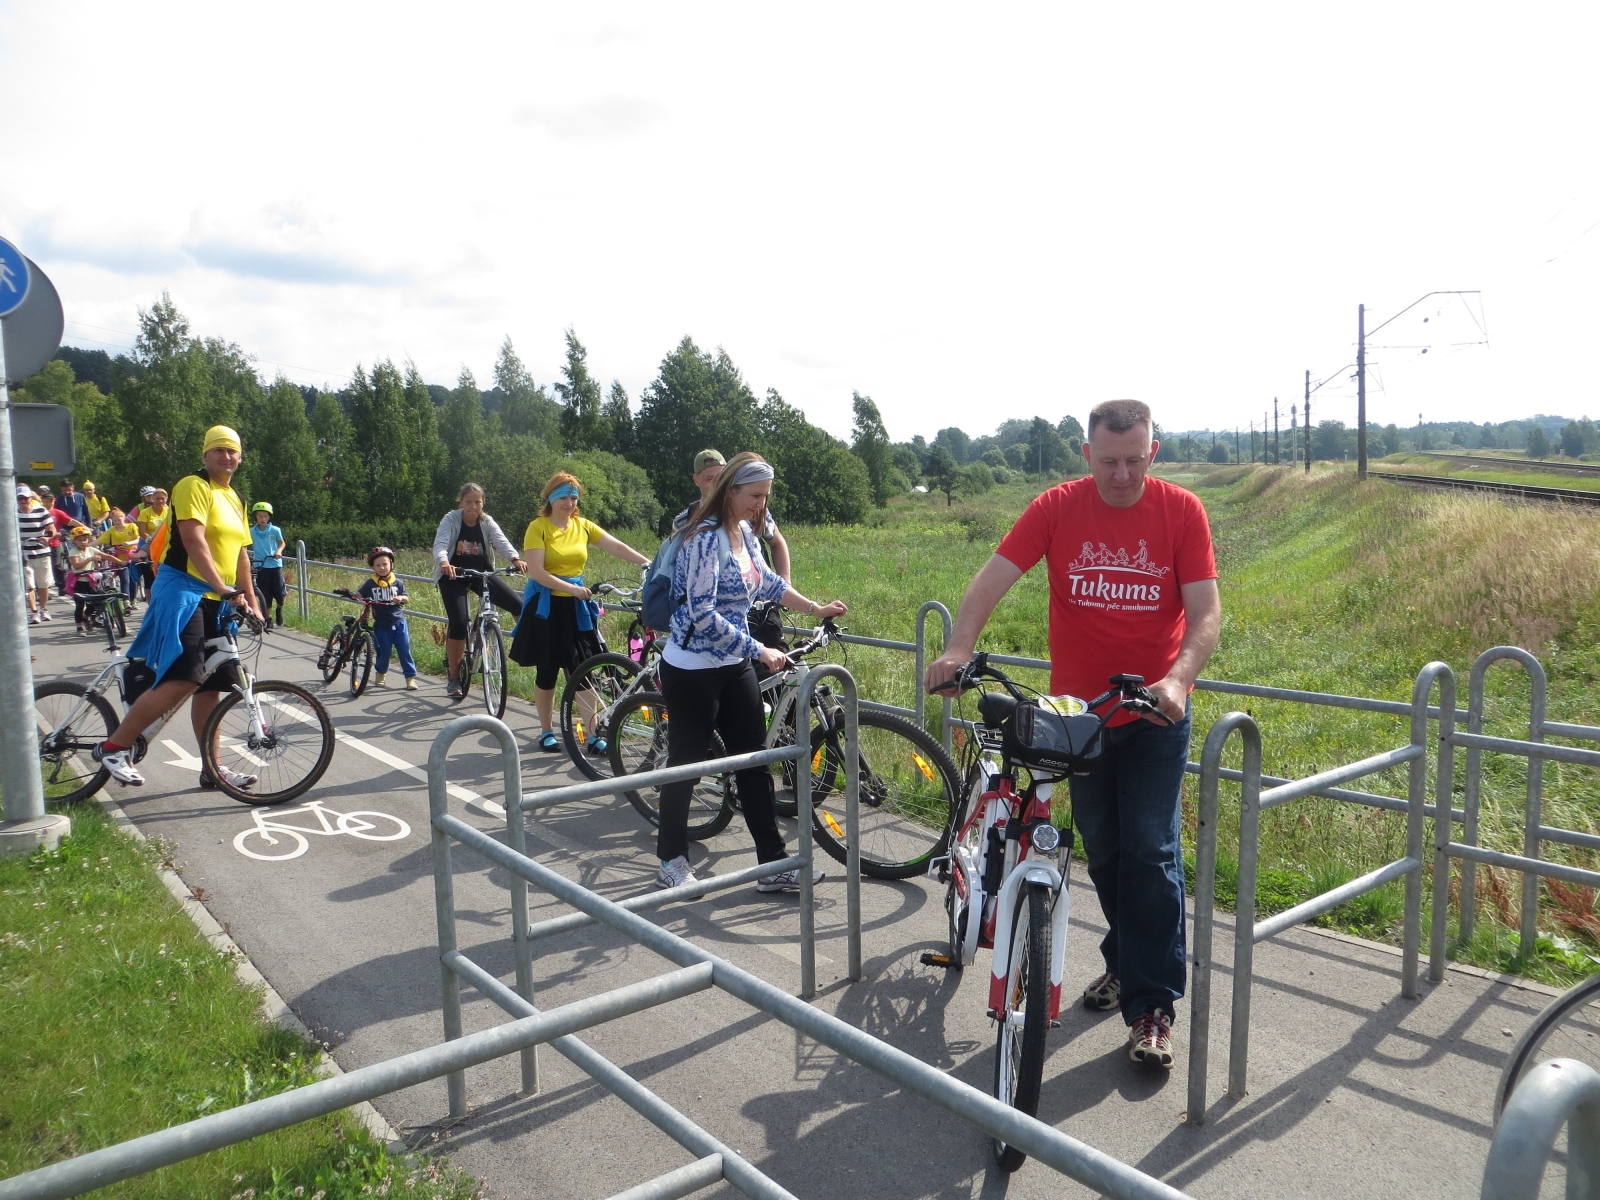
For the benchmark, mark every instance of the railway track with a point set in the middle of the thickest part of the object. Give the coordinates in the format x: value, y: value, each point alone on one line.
x: 1520, y: 491
x: 1518, y: 464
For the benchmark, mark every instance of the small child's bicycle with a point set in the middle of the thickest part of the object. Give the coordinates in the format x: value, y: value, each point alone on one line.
x: 349, y: 644
x: 1006, y: 870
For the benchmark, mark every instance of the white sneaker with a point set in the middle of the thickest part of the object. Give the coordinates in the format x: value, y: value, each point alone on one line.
x: 412, y: 685
x: 118, y: 764
x: 238, y: 782
x: 789, y: 881
x: 675, y: 873
x: 378, y: 681
x: 44, y: 615
x: 33, y: 617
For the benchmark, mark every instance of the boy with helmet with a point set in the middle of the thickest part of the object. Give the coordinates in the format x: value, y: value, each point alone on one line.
x: 266, y: 552
x: 387, y: 594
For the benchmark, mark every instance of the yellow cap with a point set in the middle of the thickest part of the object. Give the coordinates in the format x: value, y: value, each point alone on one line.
x: 220, y: 437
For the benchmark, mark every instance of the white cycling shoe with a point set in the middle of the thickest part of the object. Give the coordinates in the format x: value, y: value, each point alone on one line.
x: 120, y: 766
x: 239, y: 782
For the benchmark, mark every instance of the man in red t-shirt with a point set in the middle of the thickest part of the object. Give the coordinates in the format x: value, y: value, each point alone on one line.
x: 1133, y: 589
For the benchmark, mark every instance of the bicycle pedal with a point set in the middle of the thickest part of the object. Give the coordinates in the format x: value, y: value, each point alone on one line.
x: 937, y: 960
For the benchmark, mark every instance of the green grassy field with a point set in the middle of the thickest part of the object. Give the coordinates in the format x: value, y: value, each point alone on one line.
x: 1328, y: 586
x: 121, y: 1020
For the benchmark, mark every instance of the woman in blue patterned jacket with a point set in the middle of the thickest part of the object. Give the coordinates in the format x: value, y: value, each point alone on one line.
x: 708, y: 674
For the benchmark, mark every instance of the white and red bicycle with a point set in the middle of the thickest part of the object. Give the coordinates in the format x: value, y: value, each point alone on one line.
x: 1007, y: 866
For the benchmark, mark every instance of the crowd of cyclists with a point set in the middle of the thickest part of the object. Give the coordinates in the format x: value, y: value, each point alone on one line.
x: 199, y: 557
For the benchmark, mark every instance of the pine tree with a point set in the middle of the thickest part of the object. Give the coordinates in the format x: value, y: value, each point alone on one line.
x: 617, y: 417
x: 425, y: 452
x: 581, y: 426
x: 871, y: 446
x: 281, y: 453
x: 337, y: 458
x: 462, y: 428
x: 525, y: 409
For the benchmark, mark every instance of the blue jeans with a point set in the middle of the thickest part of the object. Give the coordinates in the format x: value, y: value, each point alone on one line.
x: 1128, y: 812
x: 397, y: 639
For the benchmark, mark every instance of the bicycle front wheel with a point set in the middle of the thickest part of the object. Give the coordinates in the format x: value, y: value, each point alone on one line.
x: 331, y: 660
x: 71, y: 723
x: 1569, y: 1027
x: 360, y: 664
x: 289, y: 754
x: 492, y: 650
x: 908, y: 786
x: 639, y: 744
x: 604, y: 678
x: 1023, y: 1020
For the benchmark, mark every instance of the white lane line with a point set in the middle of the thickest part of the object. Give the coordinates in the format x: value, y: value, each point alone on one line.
x: 471, y: 798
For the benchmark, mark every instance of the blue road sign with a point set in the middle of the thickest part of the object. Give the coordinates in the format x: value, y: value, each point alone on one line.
x: 13, y: 277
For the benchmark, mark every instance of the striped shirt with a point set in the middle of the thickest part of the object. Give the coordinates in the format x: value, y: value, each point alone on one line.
x: 37, y: 527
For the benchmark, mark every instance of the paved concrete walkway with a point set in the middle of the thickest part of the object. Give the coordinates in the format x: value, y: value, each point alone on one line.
x: 1352, y: 1090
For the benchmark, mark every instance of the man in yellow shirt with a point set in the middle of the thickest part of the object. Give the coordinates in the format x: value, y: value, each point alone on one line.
x: 99, y: 507
x: 207, y: 563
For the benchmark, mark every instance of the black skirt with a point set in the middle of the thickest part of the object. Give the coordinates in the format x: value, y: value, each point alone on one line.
x: 554, y: 642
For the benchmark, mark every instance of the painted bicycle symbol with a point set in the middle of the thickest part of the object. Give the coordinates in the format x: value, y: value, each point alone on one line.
x: 368, y: 826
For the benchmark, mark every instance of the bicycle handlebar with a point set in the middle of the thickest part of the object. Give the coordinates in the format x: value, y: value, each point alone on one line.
x: 469, y: 573
x: 1128, y: 690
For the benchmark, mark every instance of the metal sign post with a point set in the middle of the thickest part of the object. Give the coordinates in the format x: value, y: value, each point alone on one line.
x: 26, y: 825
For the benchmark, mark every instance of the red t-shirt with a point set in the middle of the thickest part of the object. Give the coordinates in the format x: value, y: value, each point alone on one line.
x: 1115, y: 578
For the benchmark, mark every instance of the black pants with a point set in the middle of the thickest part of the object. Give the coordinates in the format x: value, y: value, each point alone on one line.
x: 456, y: 595
x: 727, y: 700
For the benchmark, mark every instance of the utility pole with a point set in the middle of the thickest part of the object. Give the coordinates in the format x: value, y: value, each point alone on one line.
x: 1238, y: 456
x: 1277, y: 456
x: 1307, y: 432
x: 1361, y: 391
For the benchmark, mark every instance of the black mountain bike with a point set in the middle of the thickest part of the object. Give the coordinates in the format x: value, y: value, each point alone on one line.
x: 349, y: 645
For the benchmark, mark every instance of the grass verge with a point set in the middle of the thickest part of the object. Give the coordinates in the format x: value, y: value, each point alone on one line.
x: 121, y: 1020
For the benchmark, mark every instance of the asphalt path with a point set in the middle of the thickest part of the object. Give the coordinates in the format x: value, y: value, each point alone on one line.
x: 1350, y: 1085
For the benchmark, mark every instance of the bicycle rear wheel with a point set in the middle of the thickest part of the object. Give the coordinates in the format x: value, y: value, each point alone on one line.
x: 1025, y: 1016
x: 1569, y: 1027
x: 70, y: 724
x: 639, y: 744
x: 291, y: 754
x: 908, y: 786
x: 492, y: 648
x: 360, y: 663
x: 331, y: 661
x: 605, y: 677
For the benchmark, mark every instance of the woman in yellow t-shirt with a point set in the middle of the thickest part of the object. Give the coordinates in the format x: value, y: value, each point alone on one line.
x: 557, y: 628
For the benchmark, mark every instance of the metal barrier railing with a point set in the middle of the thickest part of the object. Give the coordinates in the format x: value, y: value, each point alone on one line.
x: 1247, y: 930
x: 1560, y: 1093
x: 1083, y: 1163
x: 303, y: 589
x: 1535, y: 833
x: 516, y: 804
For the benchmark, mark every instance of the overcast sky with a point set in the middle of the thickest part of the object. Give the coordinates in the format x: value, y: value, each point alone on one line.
x: 968, y: 212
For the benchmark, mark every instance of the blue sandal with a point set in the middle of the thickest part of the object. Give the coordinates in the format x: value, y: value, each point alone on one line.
x: 549, y: 742
x: 597, y: 745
